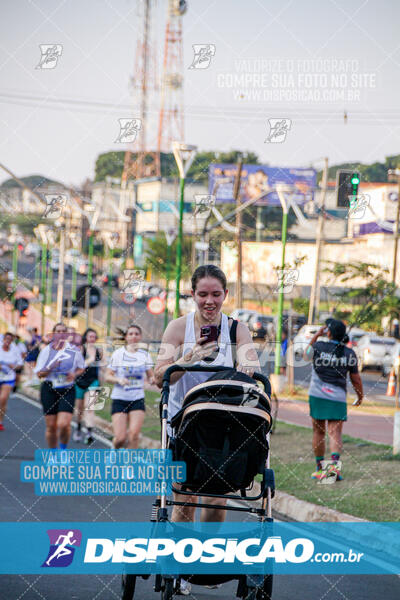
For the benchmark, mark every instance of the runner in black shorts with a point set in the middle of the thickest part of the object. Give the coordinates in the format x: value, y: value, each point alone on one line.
x: 127, y: 369
x: 59, y: 363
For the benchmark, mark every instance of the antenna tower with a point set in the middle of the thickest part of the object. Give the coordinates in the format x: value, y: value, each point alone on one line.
x: 141, y: 162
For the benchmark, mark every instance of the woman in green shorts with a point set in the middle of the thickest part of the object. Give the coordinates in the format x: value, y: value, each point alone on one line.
x: 332, y: 360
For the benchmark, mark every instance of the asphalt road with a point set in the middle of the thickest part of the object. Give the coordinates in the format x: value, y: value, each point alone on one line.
x: 24, y: 432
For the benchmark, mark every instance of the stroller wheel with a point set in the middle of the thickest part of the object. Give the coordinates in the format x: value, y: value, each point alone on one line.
x: 128, y: 586
x: 168, y: 591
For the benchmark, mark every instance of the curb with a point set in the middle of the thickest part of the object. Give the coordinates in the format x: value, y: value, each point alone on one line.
x: 289, y: 506
x: 301, y: 510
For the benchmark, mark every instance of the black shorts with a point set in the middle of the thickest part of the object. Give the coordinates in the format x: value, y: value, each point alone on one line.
x: 56, y: 400
x: 125, y: 406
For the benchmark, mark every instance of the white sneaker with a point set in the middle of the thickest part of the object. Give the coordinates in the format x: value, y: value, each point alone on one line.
x: 77, y: 435
x: 185, y: 588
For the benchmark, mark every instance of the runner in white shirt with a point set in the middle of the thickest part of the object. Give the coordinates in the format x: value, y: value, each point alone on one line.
x: 58, y: 364
x: 10, y: 359
x: 23, y: 351
x: 127, y: 370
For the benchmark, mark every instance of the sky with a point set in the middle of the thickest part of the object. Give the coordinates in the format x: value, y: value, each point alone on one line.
x: 307, y: 62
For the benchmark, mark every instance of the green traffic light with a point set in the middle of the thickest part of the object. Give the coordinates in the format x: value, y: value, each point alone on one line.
x: 355, y: 180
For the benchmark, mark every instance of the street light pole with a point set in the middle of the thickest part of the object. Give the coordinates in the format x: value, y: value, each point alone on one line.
x: 179, y: 248
x: 167, y: 276
x: 314, y: 303
x: 170, y: 236
x: 109, y: 290
x: 43, y: 285
x: 60, y: 282
x: 184, y: 156
x: 236, y: 195
x: 15, y: 267
x: 89, y: 277
x: 281, y: 297
x: 285, y: 209
x: 394, y: 174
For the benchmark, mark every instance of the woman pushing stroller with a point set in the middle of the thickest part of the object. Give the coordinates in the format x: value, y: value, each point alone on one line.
x: 216, y: 421
x: 204, y: 337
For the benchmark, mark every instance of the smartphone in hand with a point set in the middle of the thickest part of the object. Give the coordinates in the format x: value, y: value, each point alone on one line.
x: 210, y: 332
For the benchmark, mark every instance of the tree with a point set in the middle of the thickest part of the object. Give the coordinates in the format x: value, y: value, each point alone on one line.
x: 112, y: 164
x: 373, y: 295
x: 156, y: 256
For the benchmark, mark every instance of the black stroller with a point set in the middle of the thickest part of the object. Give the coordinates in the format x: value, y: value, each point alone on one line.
x: 223, y: 455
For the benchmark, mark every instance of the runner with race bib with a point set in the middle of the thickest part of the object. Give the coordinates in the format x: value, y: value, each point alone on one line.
x: 128, y: 367
x: 59, y: 364
x: 10, y: 359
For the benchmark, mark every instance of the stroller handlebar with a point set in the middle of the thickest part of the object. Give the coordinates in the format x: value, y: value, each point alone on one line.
x: 174, y: 368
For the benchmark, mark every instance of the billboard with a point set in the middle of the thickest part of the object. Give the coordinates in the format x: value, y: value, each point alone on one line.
x: 259, y: 178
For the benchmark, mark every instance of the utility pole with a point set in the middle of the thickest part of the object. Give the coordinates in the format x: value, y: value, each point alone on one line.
x: 394, y: 174
x: 236, y: 195
x: 314, y: 296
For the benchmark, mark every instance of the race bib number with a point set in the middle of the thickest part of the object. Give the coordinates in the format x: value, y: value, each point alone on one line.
x: 135, y: 383
x: 59, y: 380
x: 5, y: 373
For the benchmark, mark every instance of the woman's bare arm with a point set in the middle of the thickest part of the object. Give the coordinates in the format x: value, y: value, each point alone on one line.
x: 171, y: 342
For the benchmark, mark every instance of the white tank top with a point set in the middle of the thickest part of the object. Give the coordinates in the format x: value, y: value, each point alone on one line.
x: 224, y: 358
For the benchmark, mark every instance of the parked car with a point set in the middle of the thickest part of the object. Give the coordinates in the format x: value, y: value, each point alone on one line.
x: 374, y: 351
x: 54, y: 260
x: 32, y: 249
x: 242, y: 314
x: 114, y: 280
x: 261, y: 326
x: 303, y: 338
x: 355, y: 335
x: 71, y: 255
x: 391, y: 360
x: 298, y: 320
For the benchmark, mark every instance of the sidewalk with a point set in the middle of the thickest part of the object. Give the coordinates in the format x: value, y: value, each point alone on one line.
x: 374, y: 428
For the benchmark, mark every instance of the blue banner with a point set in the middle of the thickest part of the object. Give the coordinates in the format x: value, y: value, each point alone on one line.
x: 194, y: 548
x: 257, y: 179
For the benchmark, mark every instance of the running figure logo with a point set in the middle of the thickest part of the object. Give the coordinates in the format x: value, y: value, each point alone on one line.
x: 50, y: 55
x: 55, y: 204
x: 128, y: 130
x: 278, y: 129
x: 203, y: 54
x: 62, y: 547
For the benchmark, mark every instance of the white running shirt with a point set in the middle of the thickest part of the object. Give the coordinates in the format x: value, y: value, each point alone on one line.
x: 11, y: 357
x: 132, y: 366
x: 224, y: 358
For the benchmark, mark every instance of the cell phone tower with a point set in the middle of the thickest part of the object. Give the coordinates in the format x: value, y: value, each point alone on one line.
x: 140, y: 161
x: 171, y: 122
